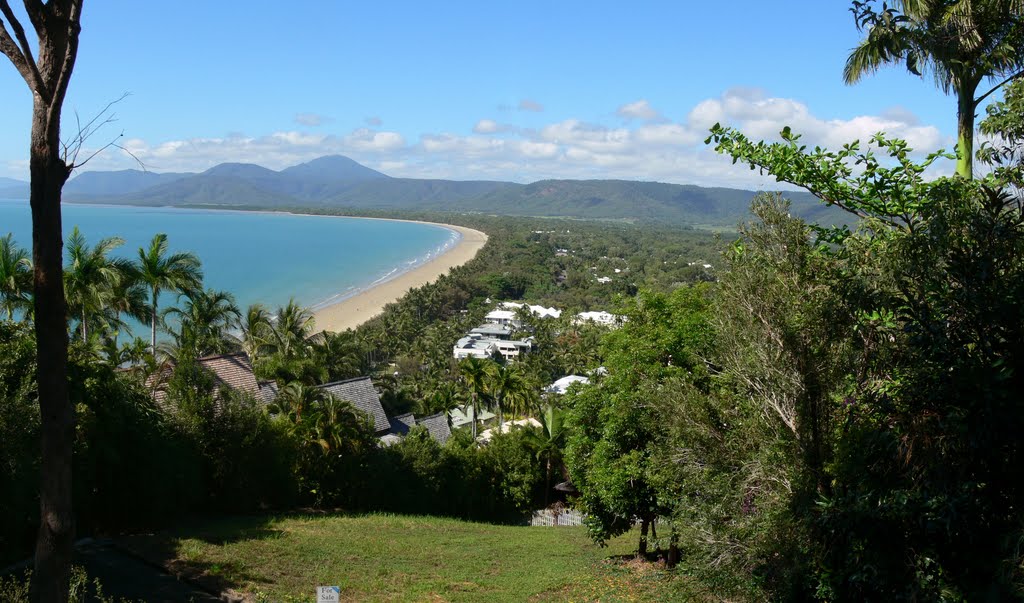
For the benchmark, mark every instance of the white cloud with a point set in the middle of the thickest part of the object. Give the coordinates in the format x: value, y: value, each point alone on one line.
x: 530, y: 105
x: 640, y: 109
x: 311, y: 119
x: 645, y: 147
x: 489, y: 126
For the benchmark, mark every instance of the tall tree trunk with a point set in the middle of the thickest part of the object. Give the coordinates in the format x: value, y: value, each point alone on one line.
x: 645, y: 524
x: 152, y: 345
x: 547, y: 482
x: 56, y: 519
x: 58, y: 25
x: 473, y: 419
x: 965, y: 131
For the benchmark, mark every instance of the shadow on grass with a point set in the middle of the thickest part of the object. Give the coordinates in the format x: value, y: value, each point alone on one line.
x: 165, y: 549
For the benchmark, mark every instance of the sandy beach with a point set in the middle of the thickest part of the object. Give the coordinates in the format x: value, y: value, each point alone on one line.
x: 352, y: 312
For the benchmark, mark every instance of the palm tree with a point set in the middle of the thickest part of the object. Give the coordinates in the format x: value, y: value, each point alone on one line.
x: 295, y: 399
x: 338, y: 354
x: 255, y: 330
x: 204, y: 321
x: 286, y: 347
x: 961, y: 42
x: 15, y: 276
x: 547, y: 443
x: 474, y: 372
x: 91, y: 279
x: 290, y: 330
x: 445, y: 397
x: 506, y: 384
x: 159, y: 271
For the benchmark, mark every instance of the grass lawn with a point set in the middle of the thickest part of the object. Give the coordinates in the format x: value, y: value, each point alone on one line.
x: 404, y: 558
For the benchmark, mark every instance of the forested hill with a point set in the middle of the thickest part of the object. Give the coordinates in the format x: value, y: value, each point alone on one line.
x: 339, y: 182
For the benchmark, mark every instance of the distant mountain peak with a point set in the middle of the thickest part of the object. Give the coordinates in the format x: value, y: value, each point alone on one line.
x: 333, y: 168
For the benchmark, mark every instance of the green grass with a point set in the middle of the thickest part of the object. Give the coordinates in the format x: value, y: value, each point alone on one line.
x: 402, y: 558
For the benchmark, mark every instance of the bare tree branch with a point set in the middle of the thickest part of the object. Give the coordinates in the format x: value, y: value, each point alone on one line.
x: 978, y: 100
x: 31, y: 70
x: 68, y: 62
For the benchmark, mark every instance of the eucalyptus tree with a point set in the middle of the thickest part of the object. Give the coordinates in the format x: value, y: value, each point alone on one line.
x: 474, y: 372
x: 960, y: 42
x: 160, y: 271
x: 57, y: 24
x: 92, y: 278
x: 15, y: 277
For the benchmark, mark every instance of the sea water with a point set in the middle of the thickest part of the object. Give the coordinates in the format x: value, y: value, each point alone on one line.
x: 259, y: 257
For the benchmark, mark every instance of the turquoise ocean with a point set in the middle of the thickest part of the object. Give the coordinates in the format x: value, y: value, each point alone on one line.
x: 259, y: 257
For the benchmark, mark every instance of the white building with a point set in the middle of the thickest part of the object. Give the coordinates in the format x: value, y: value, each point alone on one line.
x: 601, y: 318
x: 538, y: 311
x: 479, y: 346
x: 562, y: 385
x: 486, y: 435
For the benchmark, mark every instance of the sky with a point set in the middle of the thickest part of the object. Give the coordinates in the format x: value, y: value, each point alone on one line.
x: 471, y: 90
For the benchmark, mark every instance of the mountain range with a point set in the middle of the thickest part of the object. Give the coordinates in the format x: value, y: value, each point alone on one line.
x: 339, y: 182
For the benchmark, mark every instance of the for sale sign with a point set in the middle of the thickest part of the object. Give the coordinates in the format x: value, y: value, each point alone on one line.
x: 328, y: 594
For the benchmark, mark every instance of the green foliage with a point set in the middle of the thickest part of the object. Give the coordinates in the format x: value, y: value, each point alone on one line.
x: 888, y: 189
x: 614, y: 427
x: 961, y: 43
x: 15, y: 277
x: 882, y: 367
x: 17, y: 589
x: 1005, y: 124
x: 498, y: 482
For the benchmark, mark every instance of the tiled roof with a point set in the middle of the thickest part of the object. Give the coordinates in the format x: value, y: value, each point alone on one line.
x: 362, y: 395
x: 437, y: 425
x: 401, y: 424
x: 268, y: 391
x: 232, y: 371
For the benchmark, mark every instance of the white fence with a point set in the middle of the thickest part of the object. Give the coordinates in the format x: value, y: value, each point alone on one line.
x: 553, y: 517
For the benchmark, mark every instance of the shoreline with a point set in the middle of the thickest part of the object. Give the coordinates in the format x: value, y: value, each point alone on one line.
x: 352, y: 311
x: 364, y: 304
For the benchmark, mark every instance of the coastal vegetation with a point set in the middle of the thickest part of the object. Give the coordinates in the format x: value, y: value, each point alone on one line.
x: 794, y: 411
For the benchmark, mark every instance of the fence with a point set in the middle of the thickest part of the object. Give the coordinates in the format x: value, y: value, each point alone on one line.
x: 553, y: 517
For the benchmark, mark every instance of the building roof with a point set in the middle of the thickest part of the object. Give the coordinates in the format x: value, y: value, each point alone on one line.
x: 231, y: 371
x: 268, y: 391
x: 362, y: 395
x: 437, y: 426
x: 492, y: 330
x: 486, y: 435
x: 604, y: 318
x: 462, y: 416
x: 497, y: 315
x: 536, y: 310
x: 562, y: 385
x: 401, y: 424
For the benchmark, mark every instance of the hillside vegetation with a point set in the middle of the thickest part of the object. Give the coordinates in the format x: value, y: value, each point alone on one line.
x: 337, y: 182
x: 406, y: 558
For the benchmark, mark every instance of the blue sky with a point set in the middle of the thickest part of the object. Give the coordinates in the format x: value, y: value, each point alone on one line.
x: 473, y: 90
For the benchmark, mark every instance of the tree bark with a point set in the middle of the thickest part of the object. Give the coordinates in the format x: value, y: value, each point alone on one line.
x: 56, y: 519
x: 645, y: 525
x: 152, y: 347
x: 57, y: 24
x: 965, y: 131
